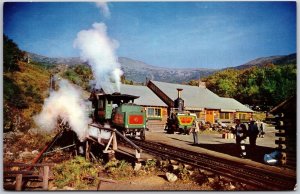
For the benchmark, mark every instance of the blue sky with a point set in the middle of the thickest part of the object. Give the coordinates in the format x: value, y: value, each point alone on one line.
x: 165, y: 34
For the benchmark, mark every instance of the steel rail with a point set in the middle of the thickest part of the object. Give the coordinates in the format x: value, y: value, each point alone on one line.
x: 257, y: 178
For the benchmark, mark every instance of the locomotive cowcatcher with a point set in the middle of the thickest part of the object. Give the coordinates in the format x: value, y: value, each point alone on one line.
x: 119, y: 111
x: 180, y: 120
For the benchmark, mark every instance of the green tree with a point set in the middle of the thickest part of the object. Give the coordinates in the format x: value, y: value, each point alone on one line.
x: 11, y: 55
x: 79, y: 74
x: 223, y: 83
x: 280, y: 83
x: 125, y: 81
x: 193, y: 83
x: 267, y: 85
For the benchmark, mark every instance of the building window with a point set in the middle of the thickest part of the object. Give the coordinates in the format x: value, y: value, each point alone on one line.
x: 154, y: 113
x: 224, y: 115
x: 242, y: 116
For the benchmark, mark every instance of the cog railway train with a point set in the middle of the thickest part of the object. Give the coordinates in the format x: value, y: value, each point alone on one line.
x: 119, y: 111
x: 180, y: 120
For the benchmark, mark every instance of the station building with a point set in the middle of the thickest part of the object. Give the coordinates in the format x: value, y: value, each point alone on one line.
x: 156, y: 109
x: 156, y: 97
x: 208, y: 106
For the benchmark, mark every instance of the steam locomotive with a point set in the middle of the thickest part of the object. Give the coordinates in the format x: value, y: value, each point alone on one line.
x: 120, y: 112
x: 180, y: 120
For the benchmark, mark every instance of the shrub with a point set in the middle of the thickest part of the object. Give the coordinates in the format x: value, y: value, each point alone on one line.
x: 77, y: 173
x: 119, y: 169
x: 13, y: 94
x: 150, y: 165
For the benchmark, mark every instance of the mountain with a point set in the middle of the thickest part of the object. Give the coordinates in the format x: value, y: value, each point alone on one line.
x: 54, y: 61
x: 139, y: 71
x: 136, y: 71
x: 276, y: 60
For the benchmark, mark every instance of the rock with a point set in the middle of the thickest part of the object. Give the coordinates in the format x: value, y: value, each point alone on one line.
x: 190, y: 172
x: 175, y: 167
x: 33, y: 131
x: 9, y: 153
x: 173, y: 162
x: 8, y: 135
x: 231, y: 186
x: 25, y: 154
x: 207, y: 173
x: 35, y: 152
x: 171, y: 177
x: 68, y: 188
x: 137, y: 166
x: 211, y: 180
x: 15, y: 168
x: 187, y: 166
x: 224, y: 178
x: 53, y: 188
x: 164, y: 163
x: 19, y: 133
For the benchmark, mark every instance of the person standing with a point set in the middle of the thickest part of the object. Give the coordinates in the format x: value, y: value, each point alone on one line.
x: 252, y: 133
x: 241, y: 134
x: 195, y: 130
x: 262, y: 127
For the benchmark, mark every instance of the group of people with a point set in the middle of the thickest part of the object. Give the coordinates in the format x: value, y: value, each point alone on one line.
x: 252, y: 130
x: 242, y: 131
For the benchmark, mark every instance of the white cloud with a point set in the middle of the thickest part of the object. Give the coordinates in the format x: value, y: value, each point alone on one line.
x: 104, y: 8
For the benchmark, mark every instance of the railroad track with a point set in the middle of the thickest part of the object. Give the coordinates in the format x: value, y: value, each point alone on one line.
x: 257, y: 178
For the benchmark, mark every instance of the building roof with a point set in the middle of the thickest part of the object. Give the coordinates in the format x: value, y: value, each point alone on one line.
x: 196, y: 98
x: 232, y: 105
x: 289, y: 105
x: 146, y: 96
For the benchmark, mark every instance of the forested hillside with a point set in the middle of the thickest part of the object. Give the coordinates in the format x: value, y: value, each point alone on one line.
x: 267, y: 85
x: 25, y: 85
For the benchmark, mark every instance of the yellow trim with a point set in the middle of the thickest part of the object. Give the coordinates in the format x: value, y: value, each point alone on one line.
x: 154, y: 116
x: 189, y: 116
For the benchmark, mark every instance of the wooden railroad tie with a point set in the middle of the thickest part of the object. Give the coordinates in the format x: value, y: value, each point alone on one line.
x: 21, y: 176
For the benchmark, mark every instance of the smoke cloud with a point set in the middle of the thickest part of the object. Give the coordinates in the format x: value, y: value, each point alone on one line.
x: 104, y: 8
x: 98, y: 50
x: 67, y: 104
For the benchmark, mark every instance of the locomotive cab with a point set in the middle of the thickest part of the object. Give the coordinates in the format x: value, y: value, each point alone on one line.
x: 120, y: 112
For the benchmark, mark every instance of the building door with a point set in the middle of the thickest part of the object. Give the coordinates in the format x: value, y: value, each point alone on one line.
x: 209, y: 116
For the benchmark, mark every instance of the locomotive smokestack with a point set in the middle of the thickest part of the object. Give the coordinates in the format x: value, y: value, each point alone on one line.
x: 179, y: 92
x: 179, y: 102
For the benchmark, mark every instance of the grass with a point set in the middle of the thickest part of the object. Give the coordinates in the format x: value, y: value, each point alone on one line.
x: 76, y: 173
x: 23, y: 95
x: 119, y: 169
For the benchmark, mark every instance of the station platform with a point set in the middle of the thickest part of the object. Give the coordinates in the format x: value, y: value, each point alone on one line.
x: 212, y: 143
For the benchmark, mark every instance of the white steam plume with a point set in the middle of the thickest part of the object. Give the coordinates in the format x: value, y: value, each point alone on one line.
x: 104, y: 8
x: 99, y: 51
x: 67, y: 104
